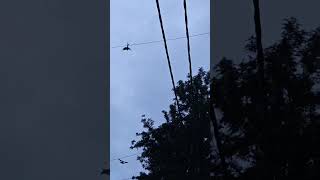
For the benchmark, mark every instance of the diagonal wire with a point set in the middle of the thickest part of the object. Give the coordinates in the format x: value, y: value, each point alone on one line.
x: 195, y: 137
x: 169, y: 64
x: 188, y: 40
x: 124, y: 157
x: 158, y: 41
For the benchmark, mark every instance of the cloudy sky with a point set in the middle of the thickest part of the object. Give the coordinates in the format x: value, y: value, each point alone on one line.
x: 140, y: 81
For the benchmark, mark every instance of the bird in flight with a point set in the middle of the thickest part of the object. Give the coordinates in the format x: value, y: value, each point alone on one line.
x: 122, y: 162
x: 105, y: 171
x: 126, y: 48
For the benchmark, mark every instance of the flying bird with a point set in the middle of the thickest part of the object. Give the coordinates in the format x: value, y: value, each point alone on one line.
x: 122, y: 162
x: 126, y: 48
x: 105, y: 171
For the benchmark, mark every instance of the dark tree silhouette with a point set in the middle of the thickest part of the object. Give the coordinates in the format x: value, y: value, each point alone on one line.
x: 166, y: 153
x: 285, y: 146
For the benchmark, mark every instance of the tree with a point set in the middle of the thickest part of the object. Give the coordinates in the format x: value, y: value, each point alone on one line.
x: 285, y: 146
x: 166, y: 153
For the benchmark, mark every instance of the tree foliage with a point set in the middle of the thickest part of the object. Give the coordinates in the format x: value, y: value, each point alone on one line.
x: 284, y: 145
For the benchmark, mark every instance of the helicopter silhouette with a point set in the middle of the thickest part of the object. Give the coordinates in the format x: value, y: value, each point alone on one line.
x: 122, y: 162
x: 126, y: 48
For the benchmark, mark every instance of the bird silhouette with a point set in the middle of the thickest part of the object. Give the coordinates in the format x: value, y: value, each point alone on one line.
x: 126, y: 48
x: 122, y: 162
x: 105, y: 171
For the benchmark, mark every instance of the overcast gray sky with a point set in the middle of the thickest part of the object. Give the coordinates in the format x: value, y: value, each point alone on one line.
x: 140, y: 81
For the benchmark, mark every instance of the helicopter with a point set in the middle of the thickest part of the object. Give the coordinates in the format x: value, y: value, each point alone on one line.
x: 122, y: 162
x: 126, y: 48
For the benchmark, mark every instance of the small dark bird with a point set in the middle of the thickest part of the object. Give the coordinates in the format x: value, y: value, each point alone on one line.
x: 126, y: 48
x: 123, y: 162
x: 105, y: 171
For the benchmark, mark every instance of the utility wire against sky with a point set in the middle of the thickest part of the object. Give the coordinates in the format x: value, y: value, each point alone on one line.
x: 115, y: 159
x: 169, y: 64
x: 188, y: 40
x: 158, y: 41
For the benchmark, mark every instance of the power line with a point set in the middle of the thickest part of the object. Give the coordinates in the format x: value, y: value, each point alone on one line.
x: 169, y: 64
x: 124, y: 157
x: 158, y: 41
x: 195, y: 123
x: 188, y: 40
